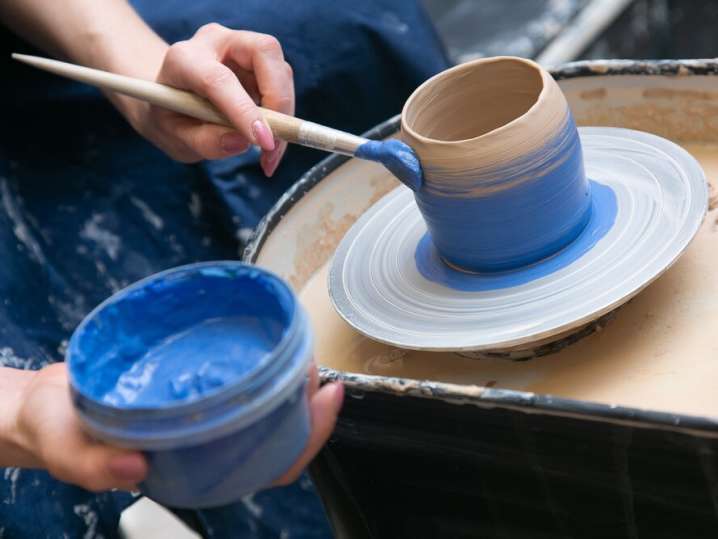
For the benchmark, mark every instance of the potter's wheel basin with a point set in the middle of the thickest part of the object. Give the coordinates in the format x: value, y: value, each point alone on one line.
x: 626, y: 417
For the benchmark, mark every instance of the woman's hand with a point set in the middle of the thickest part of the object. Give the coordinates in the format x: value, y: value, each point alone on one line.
x: 47, y: 434
x: 235, y: 70
x: 324, y: 406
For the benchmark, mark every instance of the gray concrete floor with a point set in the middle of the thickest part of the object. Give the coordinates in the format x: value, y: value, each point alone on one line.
x: 475, y: 28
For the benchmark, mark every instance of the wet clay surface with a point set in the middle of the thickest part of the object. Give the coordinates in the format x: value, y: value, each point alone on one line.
x: 660, y: 352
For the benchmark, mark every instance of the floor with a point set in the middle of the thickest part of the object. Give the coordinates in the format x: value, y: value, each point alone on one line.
x: 473, y: 28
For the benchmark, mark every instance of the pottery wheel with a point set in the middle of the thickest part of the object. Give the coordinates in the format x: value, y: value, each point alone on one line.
x: 376, y: 285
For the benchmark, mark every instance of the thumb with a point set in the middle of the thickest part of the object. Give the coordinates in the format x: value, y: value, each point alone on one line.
x: 99, y: 467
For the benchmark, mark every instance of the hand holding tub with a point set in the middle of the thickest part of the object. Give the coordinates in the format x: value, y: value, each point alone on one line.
x: 40, y: 429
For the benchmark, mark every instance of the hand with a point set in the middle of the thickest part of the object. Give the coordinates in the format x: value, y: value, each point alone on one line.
x: 324, y: 405
x: 235, y: 70
x: 49, y: 432
x: 48, y: 435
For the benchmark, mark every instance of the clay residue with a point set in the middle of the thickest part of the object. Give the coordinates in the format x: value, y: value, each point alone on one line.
x: 671, y: 68
x: 381, y: 187
x: 598, y: 93
x: 707, y: 155
x: 327, y: 232
x: 689, y: 122
x: 666, y: 93
x: 355, y: 385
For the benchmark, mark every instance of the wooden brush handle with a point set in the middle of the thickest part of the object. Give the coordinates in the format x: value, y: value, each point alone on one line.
x: 283, y: 126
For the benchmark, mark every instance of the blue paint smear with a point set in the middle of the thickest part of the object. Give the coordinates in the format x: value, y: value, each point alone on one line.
x: 604, y: 209
x: 177, y: 338
x: 542, y: 204
x: 396, y: 156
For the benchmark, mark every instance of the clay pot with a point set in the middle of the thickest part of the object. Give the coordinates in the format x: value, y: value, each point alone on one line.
x: 504, y: 183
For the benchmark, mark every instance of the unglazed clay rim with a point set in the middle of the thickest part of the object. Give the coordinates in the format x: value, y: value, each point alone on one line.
x: 468, y: 66
x: 353, y: 316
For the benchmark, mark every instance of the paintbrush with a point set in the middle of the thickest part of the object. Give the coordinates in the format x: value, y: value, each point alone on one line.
x: 396, y: 156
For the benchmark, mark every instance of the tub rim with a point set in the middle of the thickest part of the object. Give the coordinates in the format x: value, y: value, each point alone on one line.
x: 486, y: 397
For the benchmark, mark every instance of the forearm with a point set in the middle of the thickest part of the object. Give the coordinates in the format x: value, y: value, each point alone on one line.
x: 12, y: 387
x: 106, y: 34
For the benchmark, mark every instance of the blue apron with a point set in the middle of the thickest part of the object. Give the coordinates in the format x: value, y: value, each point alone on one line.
x: 87, y: 207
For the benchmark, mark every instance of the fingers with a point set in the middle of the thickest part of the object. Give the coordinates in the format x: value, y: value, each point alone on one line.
x: 324, y: 408
x: 262, y: 55
x: 208, y: 141
x: 192, y: 66
x: 235, y: 70
x: 95, y: 466
x: 129, y: 467
x: 51, y: 432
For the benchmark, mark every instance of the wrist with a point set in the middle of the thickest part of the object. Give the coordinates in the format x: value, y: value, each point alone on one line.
x: 15, y: 449
x: 113, y: 37
x: 135, y: 51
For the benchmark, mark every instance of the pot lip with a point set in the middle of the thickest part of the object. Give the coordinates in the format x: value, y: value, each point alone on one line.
x: 468, y: 66
x: 487, y: 397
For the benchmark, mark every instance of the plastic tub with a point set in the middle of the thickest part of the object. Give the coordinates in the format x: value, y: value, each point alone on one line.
x: 220, y: 411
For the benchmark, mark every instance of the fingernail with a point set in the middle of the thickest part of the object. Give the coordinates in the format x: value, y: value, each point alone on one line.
x: 272, y: 159
x: 233, y: 143
x: 130, y: 467
x: 263, y: 135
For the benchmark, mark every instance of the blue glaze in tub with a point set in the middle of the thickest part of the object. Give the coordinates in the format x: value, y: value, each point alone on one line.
x: 396, y: 156
x: 523, y: 211
x: 194, y: 362
x: 602, y: 217
x: 204, y: 368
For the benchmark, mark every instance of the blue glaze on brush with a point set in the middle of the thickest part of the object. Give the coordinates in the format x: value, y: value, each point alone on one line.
x: 602, y: 217
x: 518, y: 213
x: 396, y: 156
x: 204, y: 368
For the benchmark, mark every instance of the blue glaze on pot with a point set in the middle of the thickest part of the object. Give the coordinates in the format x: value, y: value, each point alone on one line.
x: 203, y: 367
x: 396, y: 156
x: 520, y: 213
x: 602, y: 217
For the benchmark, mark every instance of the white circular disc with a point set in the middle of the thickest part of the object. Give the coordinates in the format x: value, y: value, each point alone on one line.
x: 661, y: 199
